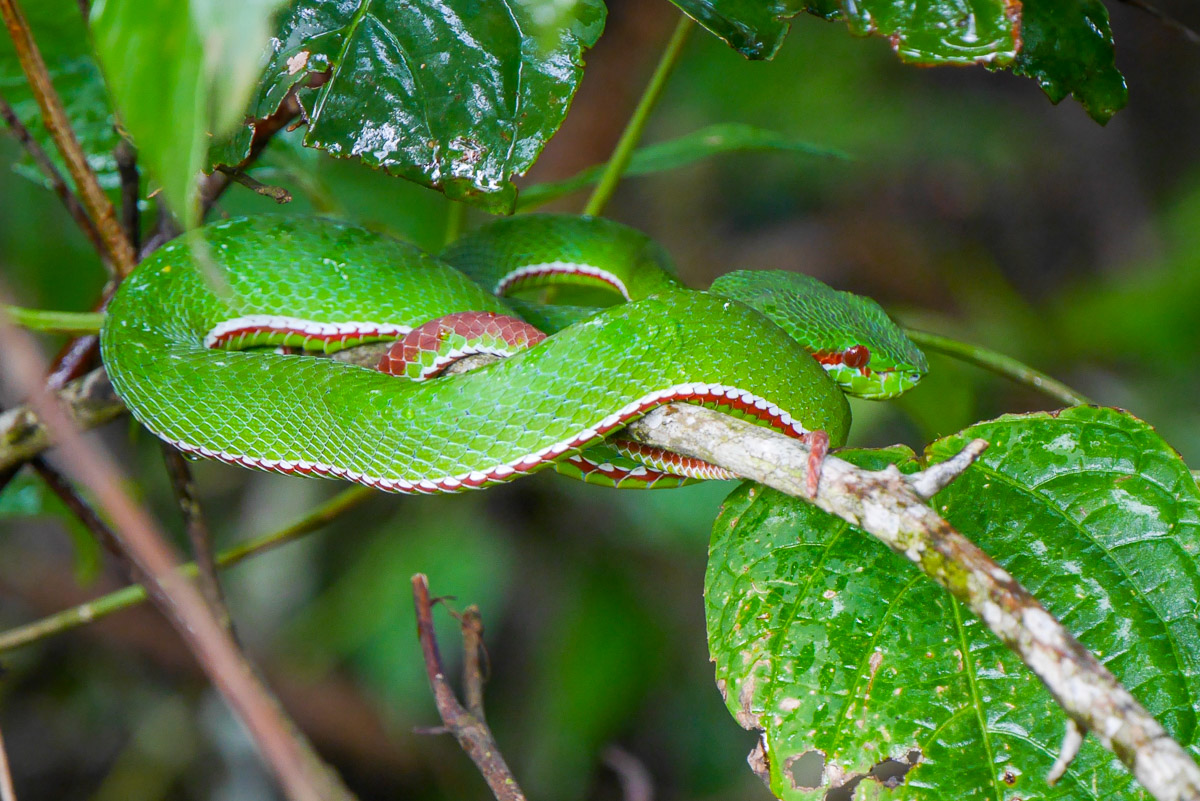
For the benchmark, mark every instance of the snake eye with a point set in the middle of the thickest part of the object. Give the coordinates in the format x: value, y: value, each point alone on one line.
x: 856, y: 356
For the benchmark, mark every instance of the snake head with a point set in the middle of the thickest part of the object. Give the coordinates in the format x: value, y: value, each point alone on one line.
x: 874, y: 374
x: 860, y: 347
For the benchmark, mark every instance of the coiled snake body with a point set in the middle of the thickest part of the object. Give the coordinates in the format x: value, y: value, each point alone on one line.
x: 188, y: 343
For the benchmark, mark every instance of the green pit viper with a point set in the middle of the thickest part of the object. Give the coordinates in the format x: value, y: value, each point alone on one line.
x: 196, y: 343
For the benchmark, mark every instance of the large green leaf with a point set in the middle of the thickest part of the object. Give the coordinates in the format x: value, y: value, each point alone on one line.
x: 680, y: 152
x: 1065, y: 45
x: 847, y: 657
x: 178, y: 71
x: 453, y: 94
x: 62, y: 39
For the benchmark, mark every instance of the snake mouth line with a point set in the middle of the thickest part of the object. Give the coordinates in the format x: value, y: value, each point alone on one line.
x: 723, y: 397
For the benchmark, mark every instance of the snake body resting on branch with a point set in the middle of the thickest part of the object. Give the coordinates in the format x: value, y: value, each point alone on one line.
x: 189, y: 343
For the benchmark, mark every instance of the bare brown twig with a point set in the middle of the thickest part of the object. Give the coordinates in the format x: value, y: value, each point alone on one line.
x: 472, y: 733
x: 127, y: 169
x: 83, y: 511
x: 120, y: 253
x: 636, y: 782
x: 197, y: 530
x: 276, y: 193
x: 1165, y: 19
x: 474, y: 674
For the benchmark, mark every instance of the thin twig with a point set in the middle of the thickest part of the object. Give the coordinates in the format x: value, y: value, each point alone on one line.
x: 54, y: 321
x: 276, y: 193
x: 197, y: 530
x: 56, y: 180
x: 121, y: 254
x: 83, y: 511
x: 1071, y: 743
x: 632, y: 134
x: 474, y: 674
x: 636, y: 782
x: 127, y: 169
x: 7, y: 792
x: 1000, y: 364
x: 473, y: 735
x: 302, y: 776
x: 885, y: 505
x: 99, y: 608
x: 1166, y: 19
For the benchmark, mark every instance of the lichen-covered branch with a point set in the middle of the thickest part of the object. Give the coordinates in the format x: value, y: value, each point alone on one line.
x: 89, y: 402
x: 888, y: 506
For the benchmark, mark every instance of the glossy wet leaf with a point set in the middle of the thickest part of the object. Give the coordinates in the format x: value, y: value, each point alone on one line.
x: 927, y: 32
x: 688, y: 149
x: 1068, y: 49
x: 833, y: 644
x: 1065, y: 45
x: 61, y: 36
x: 453, y: 94
x: 179, y: 73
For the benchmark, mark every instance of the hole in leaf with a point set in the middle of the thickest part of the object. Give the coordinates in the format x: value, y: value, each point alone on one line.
x: 807, y: 770
x: 889, y: 773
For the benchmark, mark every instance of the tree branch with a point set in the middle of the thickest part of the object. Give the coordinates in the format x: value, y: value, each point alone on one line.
x: 472, y: 733
x: 887, y: 506
x: 197, y: 530
x: 120, y: 252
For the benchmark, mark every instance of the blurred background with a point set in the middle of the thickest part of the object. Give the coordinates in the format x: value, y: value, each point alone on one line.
x: 972, y: 207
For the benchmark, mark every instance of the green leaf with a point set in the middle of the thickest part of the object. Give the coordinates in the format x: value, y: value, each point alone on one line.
x: 851, y: 660
x: 61, y: 35
x: 453, y: 94
x: 1065, y: 45
x: 178, y: 72
x: 927, y: 32
x: 676, y: 153
x: 754, y: 28
x: 1068, y: 49
x: 27, y: 497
